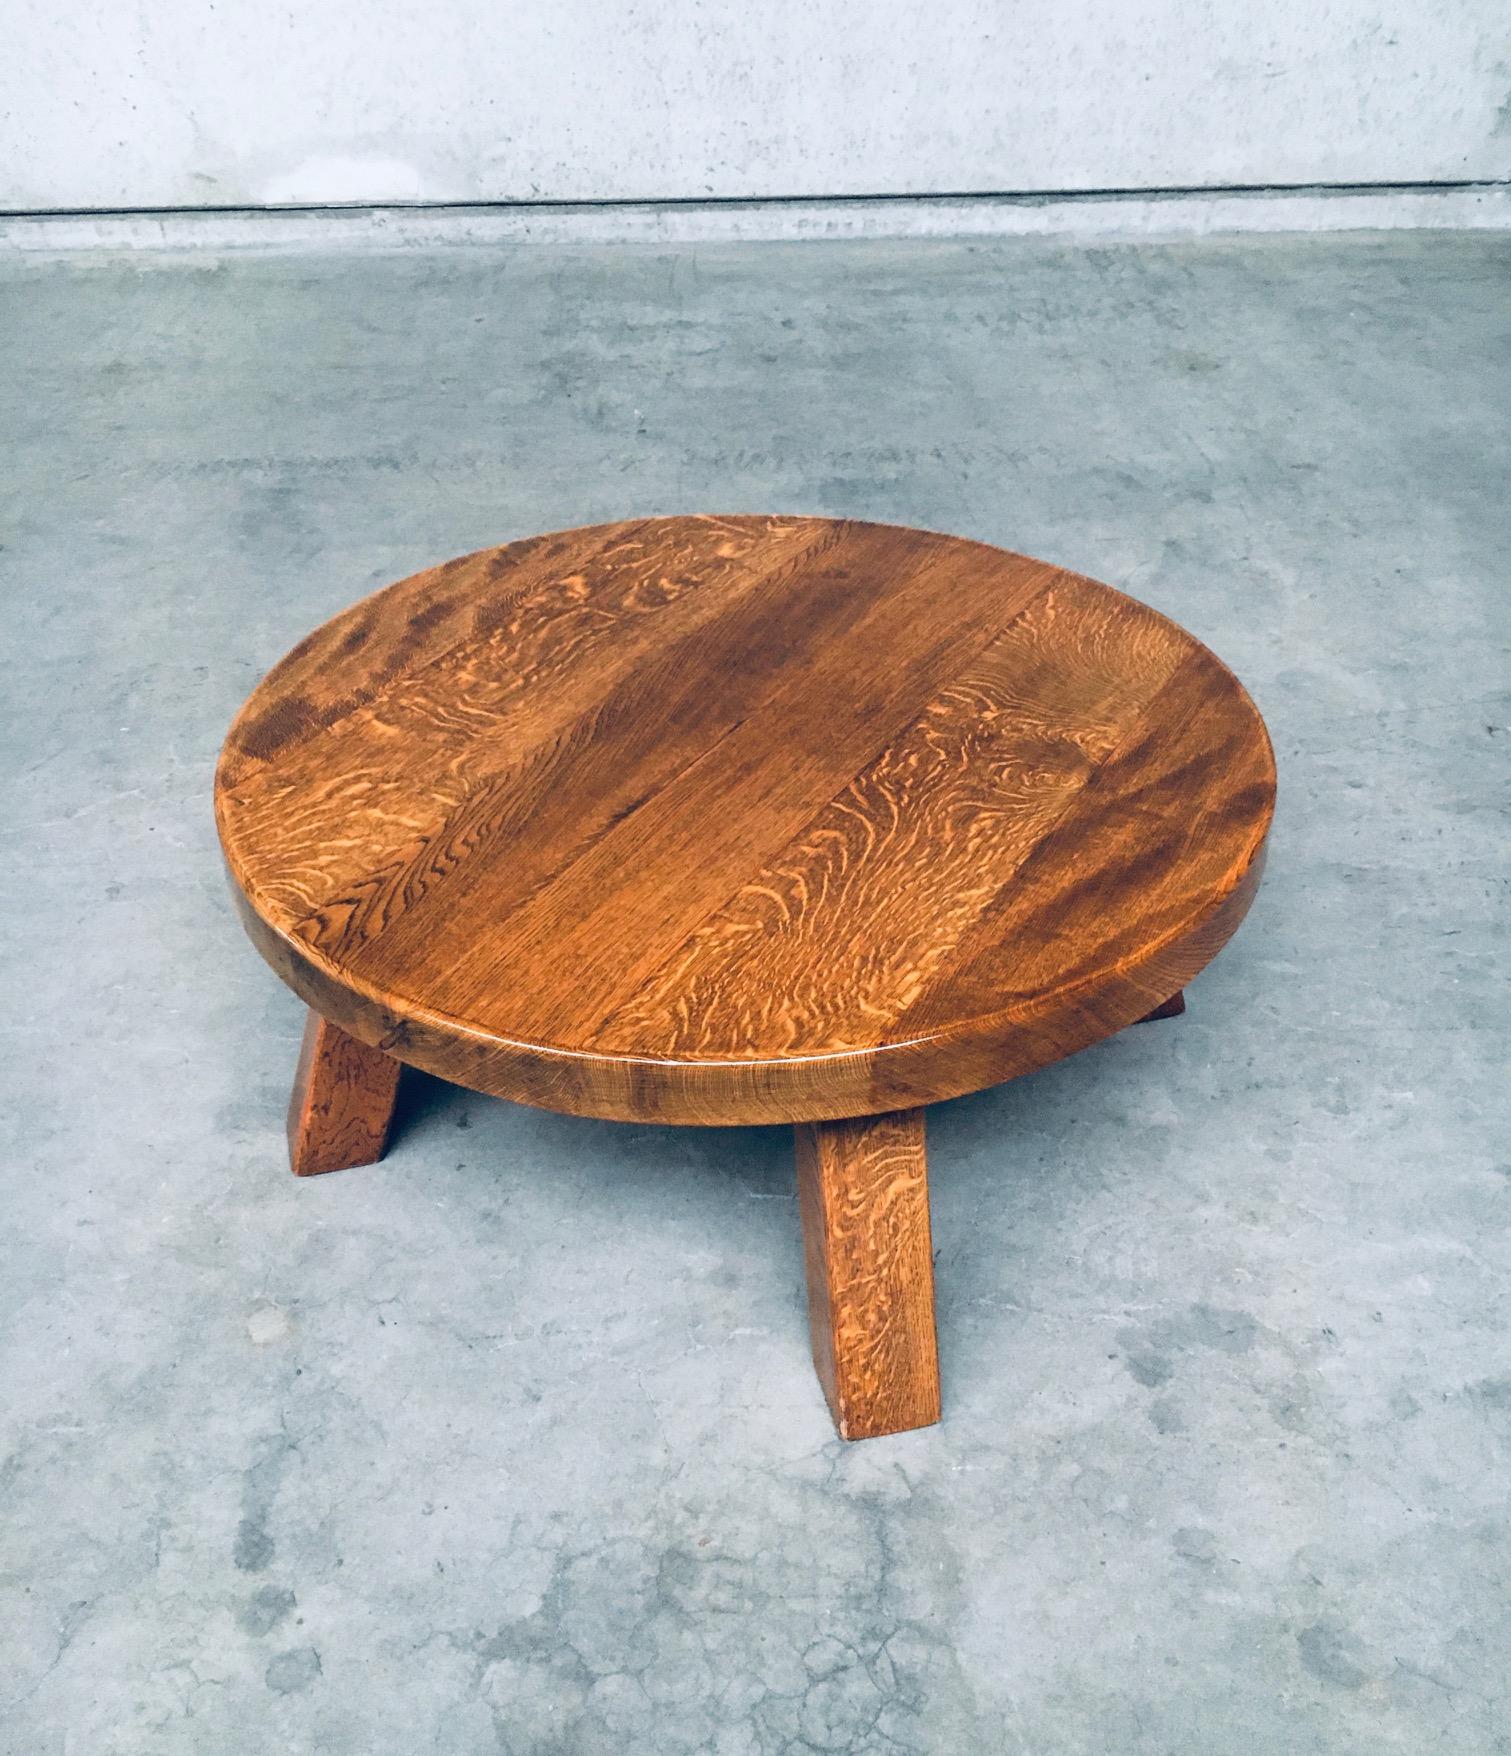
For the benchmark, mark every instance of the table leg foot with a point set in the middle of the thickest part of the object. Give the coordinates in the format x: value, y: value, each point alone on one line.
x: 343, y: 1101
x: 1171, y: 1008
x: 863, y: 1191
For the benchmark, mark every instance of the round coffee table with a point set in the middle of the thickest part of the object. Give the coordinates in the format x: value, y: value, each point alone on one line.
x: 725, y: 820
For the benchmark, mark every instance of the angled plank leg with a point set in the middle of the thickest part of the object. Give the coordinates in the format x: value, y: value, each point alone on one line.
x: 1171, y: 1008
x: 863, y: 1191
x: 342, y: 1103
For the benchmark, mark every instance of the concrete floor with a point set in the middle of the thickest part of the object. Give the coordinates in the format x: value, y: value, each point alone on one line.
x: 512, y: 1443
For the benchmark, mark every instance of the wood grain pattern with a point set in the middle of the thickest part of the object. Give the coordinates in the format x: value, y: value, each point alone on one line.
x: 864, y: 1197
x: 743, y: 819
x: 343, y: 1101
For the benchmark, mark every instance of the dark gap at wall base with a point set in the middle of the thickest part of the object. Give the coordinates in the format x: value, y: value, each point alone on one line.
x: 1019, y: 197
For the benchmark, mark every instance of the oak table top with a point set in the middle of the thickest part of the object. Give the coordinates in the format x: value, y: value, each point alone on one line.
x: 735, y: 819
x: 742, y: 820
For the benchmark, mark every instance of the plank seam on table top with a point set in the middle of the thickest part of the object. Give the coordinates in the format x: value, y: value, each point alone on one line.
x: 1019, y: 1012
x: 829, y: 531
x: 917, y: 574
x: 421, y: 1013
x: 1196, y: 653
x: 859, y: 605
x: 1183, y: 928
x: 367, y: 708
x: 471, y: 642
x: 530, y: 571
x: 606, y: 535
x: 761, y: 581
x: 911, y: 719
x: 1037, y: 578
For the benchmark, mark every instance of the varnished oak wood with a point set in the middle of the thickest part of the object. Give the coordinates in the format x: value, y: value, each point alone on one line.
x: 720, y: 820
x: 343, y: 1101
x: 864, y: 1197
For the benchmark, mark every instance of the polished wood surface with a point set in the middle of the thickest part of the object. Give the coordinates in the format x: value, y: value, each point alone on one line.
x: 864, y: 1197
x: 343, y: 1101
x: 718, y: 820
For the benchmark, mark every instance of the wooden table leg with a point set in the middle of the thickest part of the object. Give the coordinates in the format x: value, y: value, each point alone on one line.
x: 343, y: 1101
x: 1171, y: 1008
x: 863, y: 1191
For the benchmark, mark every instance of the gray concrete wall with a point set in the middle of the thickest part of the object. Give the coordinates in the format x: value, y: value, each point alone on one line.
x: 179, y: 104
